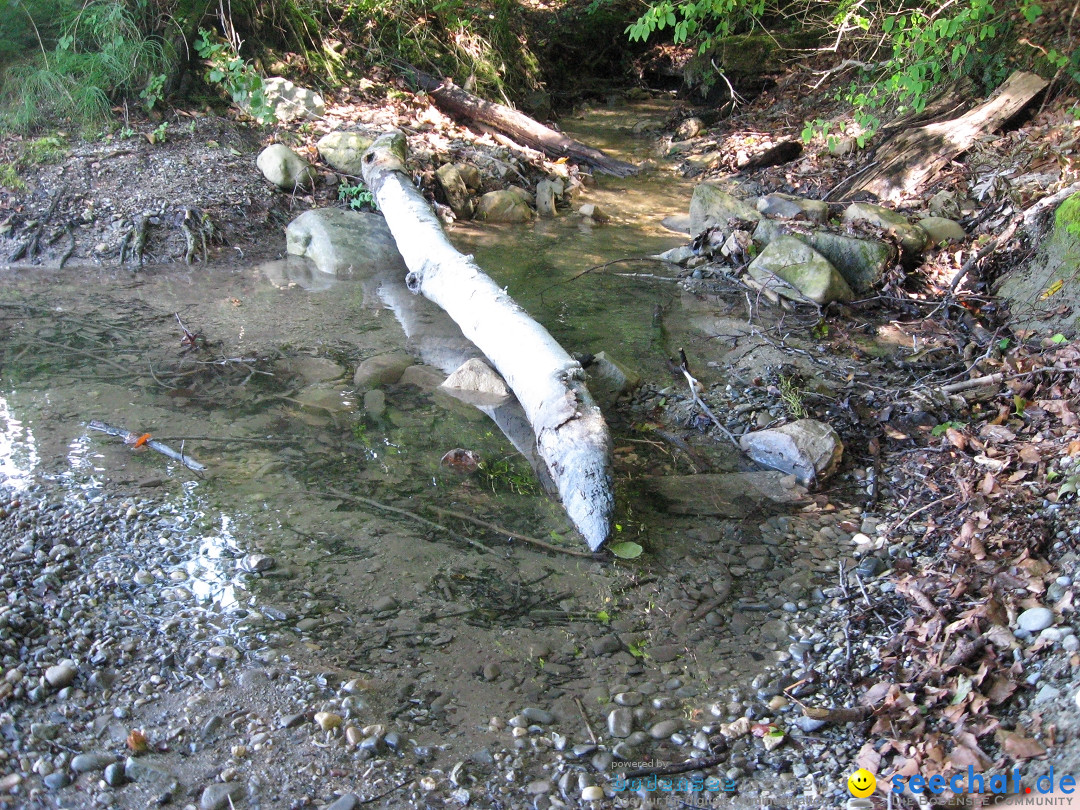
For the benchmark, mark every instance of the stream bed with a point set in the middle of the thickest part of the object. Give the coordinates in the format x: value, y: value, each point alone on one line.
x: 321, y: 546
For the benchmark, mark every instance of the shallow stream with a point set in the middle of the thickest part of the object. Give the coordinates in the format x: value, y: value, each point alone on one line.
x: 250, y: 373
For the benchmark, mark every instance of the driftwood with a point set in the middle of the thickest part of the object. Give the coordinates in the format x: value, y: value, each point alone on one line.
x: 571, y: 435
x: 523, y: 129
x: 914, y: 157
x: 135, y: 440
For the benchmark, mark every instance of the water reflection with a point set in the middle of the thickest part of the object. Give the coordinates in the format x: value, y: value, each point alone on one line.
x: 18, y: 449
x: 212, y: 568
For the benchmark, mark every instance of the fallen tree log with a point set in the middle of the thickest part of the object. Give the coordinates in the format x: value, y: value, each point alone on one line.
x: 904, y: 164
x: 571, y: 435
x: 523, y: 129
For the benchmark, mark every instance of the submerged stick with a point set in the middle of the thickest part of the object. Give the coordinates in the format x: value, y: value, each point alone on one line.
x: 136, y: 440
x: 571, y: 435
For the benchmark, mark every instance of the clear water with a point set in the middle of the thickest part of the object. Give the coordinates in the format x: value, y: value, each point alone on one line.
x: 258, y: 388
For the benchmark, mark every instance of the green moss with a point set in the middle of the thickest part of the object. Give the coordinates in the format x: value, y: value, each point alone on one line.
x: 9, y: 177
x: 1067, y: 215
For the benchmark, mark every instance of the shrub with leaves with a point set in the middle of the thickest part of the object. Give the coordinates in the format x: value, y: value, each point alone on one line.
x: 100, y: 55
x: 907, y: 49
x: 225, y: 67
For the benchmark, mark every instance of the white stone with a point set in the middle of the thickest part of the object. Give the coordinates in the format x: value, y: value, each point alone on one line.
x: 1035, y: 619
x: 806, y: 448
x: 290, y: 101
x: 285, y: 169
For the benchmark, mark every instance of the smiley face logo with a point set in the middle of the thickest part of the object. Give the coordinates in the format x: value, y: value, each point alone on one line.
x: 861, y: 783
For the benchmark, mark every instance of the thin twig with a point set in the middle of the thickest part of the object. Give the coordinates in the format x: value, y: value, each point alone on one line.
x: 386, y: 793
x: 694, y: 385
x: 337, y: 493
x: 83, y: 352
x: 585, y: 719
x: 923, y: 509
x: 226, y: 439
x: 516, y: 535
x: 679, y: 767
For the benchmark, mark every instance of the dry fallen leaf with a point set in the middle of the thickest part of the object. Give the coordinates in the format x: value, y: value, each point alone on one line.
x: 1017, y: 746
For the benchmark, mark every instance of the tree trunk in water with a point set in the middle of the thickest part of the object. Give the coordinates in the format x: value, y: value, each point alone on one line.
x: 571, y: 435
x: 519, y: 126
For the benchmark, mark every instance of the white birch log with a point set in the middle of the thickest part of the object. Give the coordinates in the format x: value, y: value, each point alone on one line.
x: 571, y: 435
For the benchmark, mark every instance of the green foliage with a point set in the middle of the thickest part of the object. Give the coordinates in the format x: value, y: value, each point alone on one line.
x: 225, y: 67
x: 10, y: 179
x: 357, y: 197
x: 478, y: 43
x: 792, y: 397
x: 703, y: 21
x: 505, y: 474
x: 96, y: 54
x: 925, y: 44
x: 154, y: 91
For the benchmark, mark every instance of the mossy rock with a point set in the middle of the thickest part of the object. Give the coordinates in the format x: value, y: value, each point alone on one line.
x: 1044, y: 292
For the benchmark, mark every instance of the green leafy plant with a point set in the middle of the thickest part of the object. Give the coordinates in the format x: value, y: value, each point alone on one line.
x: 357, y: 196
x: 154, y: 91
x: 238, y: 77
x: 925, y: 45
x: 160, y: 133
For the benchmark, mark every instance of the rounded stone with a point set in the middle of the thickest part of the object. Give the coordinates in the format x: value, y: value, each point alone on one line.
x: 257, y: 563
x: 61, y: 674
x: 1035, y: 619
x: 664, y: 729
x: 57, y: 780
x: 327, y: 721
x: 593, y: 793
x: 620, y: 722
x: 85, y: 763
x: 114, y: 774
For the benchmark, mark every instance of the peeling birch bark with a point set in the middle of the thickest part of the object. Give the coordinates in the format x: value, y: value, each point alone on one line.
x: 571, y: 435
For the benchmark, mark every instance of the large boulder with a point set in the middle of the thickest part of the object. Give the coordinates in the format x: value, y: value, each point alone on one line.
x: 726, y: 494
x: 344, y: 242
x: 285, y: 169
x: 291, y: 101
x: 504, y: 205
x: 1044, y: 292
x: 861, y: 261
x: 710, y: 205
x: 807, y: 449
x: 342, y: 151
x: 454, y: 190
x: 380, y: 370
x: 803, y: 268
x: 912, y: 238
